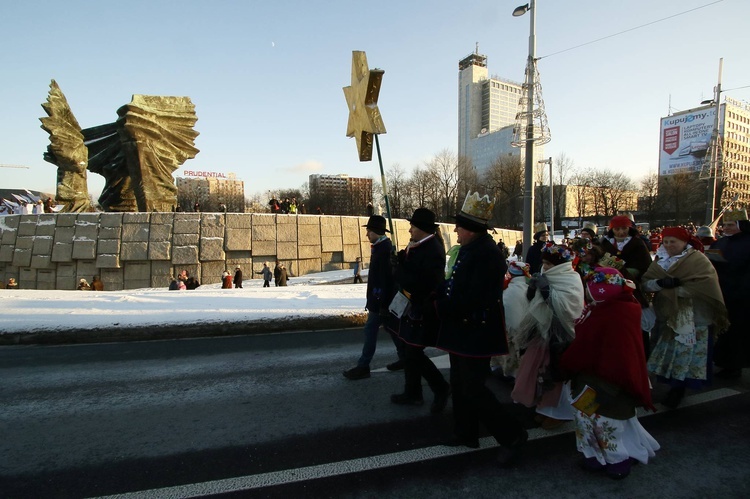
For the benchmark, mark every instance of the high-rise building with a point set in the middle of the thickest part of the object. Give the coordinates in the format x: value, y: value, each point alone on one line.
x: 339, y: 194
x: 212, y: 193
x: 487, y: 108
x: 686, y: 147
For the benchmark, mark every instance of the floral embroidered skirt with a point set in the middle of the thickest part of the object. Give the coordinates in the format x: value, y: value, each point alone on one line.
x: 672, y: 360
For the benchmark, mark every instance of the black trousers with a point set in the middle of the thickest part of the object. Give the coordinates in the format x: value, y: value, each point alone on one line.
x: 474, y: 403
x: 417, y: 366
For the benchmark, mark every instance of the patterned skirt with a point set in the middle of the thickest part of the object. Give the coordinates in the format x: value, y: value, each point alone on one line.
x: 673, y: 360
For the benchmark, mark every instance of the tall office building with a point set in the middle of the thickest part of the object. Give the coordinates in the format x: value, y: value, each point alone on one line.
x: 487, y: 108
x: 686, y: 147
x: 339, y: 194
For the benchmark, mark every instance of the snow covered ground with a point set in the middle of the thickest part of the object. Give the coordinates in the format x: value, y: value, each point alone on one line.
x: 309, y: 296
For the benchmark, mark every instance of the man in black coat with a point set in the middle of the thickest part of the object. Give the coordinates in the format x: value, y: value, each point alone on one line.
x: 238, y: 277
x: 534, y: 255
x: 731, y: 258
x: 380, y: 290
x: 472, y: 331
x: 419, y: 276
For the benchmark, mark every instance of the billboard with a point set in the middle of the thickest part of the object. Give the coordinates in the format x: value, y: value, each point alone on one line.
x: 685, y: 139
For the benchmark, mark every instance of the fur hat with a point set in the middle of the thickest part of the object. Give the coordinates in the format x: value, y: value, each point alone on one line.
x: 423, y: 219
x: 475, y: 213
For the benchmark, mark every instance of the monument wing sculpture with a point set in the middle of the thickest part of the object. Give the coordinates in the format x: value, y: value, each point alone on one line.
x: 107, y: 158
x: 157, y: 136
x: 136, y: 155
x: 66, y: 151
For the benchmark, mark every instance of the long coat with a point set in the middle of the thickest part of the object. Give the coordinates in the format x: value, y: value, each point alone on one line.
x: 472, y: 322
x: 420, y: 275
x: 380, y: 277
x: 733, y: 268
x: 637, y: 260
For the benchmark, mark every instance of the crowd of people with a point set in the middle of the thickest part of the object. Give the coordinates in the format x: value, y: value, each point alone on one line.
x: 580, y: 328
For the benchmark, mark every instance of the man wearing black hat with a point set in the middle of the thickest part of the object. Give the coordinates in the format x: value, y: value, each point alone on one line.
x: 380, y: 290
x: 419, y: 276
x: 472, y: 331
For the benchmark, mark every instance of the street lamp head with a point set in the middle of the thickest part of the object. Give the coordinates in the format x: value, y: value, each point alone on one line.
x: 709, y: 101
x: 521, y: 10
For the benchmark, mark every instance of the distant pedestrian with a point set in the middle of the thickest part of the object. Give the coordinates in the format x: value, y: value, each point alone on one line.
x: 370, y: 209
x: 173, y: 284
x: 238, y: 277
x: 357, y: 270
x: 83, y: 285
x: 226, y: 280
x: 267, y: 275
x: 12, y: 284
x: 283, y: 275
x: 197, y: 207
x: 97, y: 284
x: 277, y: 273
x: 191, y: 283
x: 518, y: 250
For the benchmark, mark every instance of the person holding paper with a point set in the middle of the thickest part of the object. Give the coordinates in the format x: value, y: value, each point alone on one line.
x: 379, y: 293
x: 608, y: 377
x: 419, y: 274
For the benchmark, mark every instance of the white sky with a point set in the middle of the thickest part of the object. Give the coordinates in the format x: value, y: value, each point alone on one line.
x: 306, y: 296
x: 267, y: 77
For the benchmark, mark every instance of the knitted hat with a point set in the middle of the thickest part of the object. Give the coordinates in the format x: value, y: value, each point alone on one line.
x: 620, y: 221
x: 556, y: 254
x: 519, y: 269
x: 678, y: 232
x: 606, y: 283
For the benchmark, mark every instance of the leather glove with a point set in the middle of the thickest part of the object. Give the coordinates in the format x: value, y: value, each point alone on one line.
x: 668, y: 282
x: 542, y: 285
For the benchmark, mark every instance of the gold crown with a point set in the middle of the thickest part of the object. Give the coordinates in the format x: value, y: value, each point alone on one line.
x: 735, y: 215
x: 476, y: 208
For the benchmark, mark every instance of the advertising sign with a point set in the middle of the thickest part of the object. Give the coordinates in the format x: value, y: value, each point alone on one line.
x: 685, y: 139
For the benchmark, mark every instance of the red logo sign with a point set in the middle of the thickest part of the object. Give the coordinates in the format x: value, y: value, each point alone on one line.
x: 671, y: 139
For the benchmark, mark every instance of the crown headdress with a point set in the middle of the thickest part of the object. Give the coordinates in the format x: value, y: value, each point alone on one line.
x: 477, y: 209
x: 735, y: 215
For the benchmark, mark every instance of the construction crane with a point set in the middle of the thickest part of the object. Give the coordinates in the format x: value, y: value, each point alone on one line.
x: 14, y: 166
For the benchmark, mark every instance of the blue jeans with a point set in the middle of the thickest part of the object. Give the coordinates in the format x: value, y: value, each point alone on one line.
x: 372, y: 326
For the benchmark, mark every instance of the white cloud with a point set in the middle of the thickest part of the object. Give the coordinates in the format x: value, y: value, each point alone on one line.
x: 310, y: 166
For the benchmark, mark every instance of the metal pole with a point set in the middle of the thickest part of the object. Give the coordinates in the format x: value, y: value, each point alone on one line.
x: 551, y: 201
x: 528, y: 194
x: 385, y: 195
x: 713, y: 167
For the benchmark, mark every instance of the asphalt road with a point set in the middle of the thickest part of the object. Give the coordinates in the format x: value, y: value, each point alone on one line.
x: 271, y: 416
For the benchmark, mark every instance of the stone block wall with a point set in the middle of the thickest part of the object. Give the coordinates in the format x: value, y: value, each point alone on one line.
x: 143, y: 250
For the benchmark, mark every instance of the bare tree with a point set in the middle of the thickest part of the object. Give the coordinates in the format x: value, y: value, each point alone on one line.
x: 648, y: 197
x: 504, y: 181
x: 396, y: 181
x: 444, y: 167
x: 613, y: 192
x: 584, y: 194
x: 683, y: 196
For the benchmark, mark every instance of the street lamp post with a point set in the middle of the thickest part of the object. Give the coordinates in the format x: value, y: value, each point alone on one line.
x: 528, y: 192
x: 548, y: 161
x: 714, y: 166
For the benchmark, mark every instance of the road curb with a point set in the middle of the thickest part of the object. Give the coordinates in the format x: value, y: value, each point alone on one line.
x: 180, y: 331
